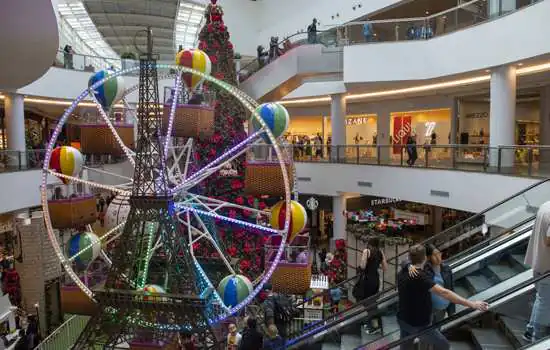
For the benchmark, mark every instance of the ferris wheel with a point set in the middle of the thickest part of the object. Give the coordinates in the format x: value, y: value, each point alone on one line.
x: 196, y: 214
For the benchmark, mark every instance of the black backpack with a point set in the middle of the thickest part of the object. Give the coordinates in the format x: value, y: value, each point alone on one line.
x: 283, y: 311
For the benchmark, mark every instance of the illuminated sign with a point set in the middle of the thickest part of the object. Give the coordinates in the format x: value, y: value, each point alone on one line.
x: 383, y: 201
x: 430, y: 127
x: 357, y: 120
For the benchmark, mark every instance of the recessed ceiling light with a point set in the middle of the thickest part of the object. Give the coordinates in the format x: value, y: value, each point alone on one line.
x: 520, y: 64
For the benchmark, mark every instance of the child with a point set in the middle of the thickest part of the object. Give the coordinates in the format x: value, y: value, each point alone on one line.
x: 233, y: 338
x: 273, y: 340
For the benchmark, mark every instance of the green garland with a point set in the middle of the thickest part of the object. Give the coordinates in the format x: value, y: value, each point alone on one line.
x: 366, y: 231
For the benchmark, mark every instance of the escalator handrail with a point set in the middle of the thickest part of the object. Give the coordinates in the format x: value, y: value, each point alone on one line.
x: 473, y: 250
x: 476, y: 216
x: 463, y: 313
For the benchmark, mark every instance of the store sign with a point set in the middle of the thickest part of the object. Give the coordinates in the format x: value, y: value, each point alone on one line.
x: 357, y: 121
x: 383, y: 201
x: 228, y: 170
x: 430, y: 127
x: 418, y: 218
x: 312, y: 203
x: 477, y: 115
x: 402, y: 127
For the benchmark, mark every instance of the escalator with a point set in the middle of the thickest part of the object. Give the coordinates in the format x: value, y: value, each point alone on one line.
x: 479, y: 273
x: 509, y: 219
x: 501, y: 327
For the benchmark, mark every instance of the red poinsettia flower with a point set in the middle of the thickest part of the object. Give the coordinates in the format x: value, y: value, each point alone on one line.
x: 214, y: 59
x: 239, y: 234
x: 239, y: 200
x: 210, y: 28
x: 250, y: 201
x: 232, y: 251
x: 245, y: 264
x: 223, y: 28
x: 196, y: 246
x: 232, y: 214
x: 247, y: 248
x: 247, y: 212
x: 236, y: 184
x: 261, y: 205
x: 340, y: 244
x: 213, y: 152
x: 219, y: 75
x: 216, y: 138
x: 229, y: 46
x: 335, y: 263
x: 203, y: 45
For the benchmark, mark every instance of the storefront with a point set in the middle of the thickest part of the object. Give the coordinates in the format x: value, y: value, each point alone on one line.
x: 423, y: 125
x: 474, y: 123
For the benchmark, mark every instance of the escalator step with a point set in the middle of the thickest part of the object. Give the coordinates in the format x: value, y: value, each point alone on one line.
x: 330, y: 346
x: 502, y: 271
x: 491, y: 339
x: 478, y: 283
x: 518, y: 259
x: 390, y: 324
x: 350, y: 342
x: 463, y: 292
x: 462, y: 345
x: 515, y: 328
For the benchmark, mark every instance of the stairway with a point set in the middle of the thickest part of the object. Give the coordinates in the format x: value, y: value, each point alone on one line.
x: 66, y: 335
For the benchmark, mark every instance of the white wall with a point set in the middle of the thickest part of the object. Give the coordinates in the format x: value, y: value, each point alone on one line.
x: 286, y: 17
x: 518, y: 36
x: 467, y: 190
x: 62, y: 83
x: 242, y: 18
x: 21, y: 189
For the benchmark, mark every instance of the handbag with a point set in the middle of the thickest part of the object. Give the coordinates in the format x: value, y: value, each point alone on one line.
x: 358, y: 290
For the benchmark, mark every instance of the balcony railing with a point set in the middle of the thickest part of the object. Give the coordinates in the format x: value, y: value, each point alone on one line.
x: 66, y: 335
x: 529, y: 161
x: 467, y: 14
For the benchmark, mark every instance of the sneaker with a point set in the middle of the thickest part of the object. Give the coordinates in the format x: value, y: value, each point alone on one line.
x: 528, y: 337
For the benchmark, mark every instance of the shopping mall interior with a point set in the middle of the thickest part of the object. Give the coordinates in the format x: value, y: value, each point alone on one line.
x: 261, y: 174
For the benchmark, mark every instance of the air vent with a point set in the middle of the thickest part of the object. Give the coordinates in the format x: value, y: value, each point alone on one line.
x: 439, y: 193
x: 364, y: 184
x: 304, y: 179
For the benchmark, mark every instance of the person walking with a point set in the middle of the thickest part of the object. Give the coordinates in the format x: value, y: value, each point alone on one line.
x: 312, y: 32
x: 415, y: 302
x: 233, y: 338
x: 251, y: 338
x: 538, y: 257
x: 272, y: 340
x: 441, y: 274
x: 368, y: 285
x: 411, y: 150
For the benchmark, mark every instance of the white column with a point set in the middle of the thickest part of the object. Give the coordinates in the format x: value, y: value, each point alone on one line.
x: 15, y: 126
x: 324, y: 120
x: 502, y: 114
x: 383, y: 136
x: 338, y: 209
x: 338, y: 124
x: 545, y: 125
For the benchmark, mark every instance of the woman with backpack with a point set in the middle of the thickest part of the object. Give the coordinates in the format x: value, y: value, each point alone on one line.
x: 368, y: 284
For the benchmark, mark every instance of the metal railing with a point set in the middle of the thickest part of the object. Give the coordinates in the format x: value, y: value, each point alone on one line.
x: 520, y: 160
x: 66, y: 335
x: 466, y: 14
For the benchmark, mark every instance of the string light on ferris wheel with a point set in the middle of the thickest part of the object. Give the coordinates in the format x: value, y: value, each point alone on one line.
x: 249, y: 104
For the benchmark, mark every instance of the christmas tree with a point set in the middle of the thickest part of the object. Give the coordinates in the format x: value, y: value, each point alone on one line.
x: 230, y: 118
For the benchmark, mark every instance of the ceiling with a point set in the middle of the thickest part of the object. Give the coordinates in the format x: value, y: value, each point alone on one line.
x: 174, y: 23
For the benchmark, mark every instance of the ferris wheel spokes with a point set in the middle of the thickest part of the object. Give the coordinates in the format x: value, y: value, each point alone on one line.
x: 175, y: 174
x: 214, y: 205
x: 127, y: 151
x: 218, y: 163
x: 172, y: 113
x: 89, y: 183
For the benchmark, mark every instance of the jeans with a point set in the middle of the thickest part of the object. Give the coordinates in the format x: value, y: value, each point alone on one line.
x: 539, y: 323
x: 432, y: 337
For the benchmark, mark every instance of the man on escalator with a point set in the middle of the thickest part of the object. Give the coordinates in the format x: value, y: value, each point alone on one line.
x: 415, y: 302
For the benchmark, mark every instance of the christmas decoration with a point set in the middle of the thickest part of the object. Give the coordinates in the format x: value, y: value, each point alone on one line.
x: 230, y: 117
